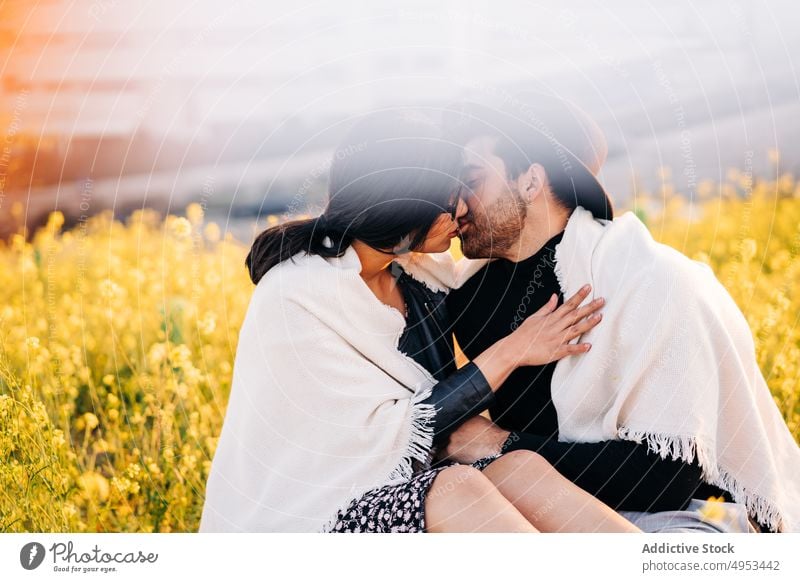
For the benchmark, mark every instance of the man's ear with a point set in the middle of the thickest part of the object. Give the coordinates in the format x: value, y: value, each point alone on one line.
x: 532, y: 182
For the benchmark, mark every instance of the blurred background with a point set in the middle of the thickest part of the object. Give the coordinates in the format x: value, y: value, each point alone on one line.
x: 236, y: 105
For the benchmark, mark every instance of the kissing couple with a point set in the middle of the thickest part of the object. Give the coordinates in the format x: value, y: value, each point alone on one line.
x: 610, y: 382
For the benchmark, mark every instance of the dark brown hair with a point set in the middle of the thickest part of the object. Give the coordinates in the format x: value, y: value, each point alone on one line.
x: 390, y: 179
x: 526, y: 134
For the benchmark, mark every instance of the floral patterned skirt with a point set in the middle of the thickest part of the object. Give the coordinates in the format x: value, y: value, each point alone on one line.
x: 394, y: 508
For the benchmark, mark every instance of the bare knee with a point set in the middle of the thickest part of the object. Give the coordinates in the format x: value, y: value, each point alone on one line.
x: 457, y: 485
x: 463, y: 478
x: 522, y: 460
x: 461, y: 498
x: 453, y: 490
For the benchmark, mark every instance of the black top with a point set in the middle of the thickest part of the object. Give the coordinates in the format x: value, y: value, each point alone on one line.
x: 623, y: 474
x: 488, y: 307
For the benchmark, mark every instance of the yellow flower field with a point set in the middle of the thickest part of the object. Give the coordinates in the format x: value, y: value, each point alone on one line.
x: 117, y: 344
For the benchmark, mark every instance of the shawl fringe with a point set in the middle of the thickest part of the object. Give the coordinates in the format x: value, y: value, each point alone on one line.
x: 419, y: 447
x: 687, y: 449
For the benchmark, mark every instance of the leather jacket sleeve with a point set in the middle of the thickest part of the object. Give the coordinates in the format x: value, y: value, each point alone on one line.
x: 460, y: 393
x: 460, y: 396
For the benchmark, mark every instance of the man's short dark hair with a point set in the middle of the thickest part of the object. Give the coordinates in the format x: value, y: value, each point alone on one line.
x: 529, y: 132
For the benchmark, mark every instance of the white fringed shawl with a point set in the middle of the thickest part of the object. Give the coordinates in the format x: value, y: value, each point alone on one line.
x: 322, y: 407
x: 672, y: 364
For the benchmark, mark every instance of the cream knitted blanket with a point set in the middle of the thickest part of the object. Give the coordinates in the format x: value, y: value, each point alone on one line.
x: 322, y: 407
x: 672, y: 364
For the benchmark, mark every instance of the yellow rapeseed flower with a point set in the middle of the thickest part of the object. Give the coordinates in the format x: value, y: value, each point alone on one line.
x: 109, y: 289
x: 194, y: 212
x: 749, y: 249
x: 181, y: 227
x: 713, y: 509
x: 208, y: 324
x: 55, y: 221
x: 212, y: 232
x: 157, y: 354
x: 94, y: 485
x: 90, y: 420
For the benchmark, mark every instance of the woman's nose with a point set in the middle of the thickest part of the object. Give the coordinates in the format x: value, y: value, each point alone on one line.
x: 461, y: 209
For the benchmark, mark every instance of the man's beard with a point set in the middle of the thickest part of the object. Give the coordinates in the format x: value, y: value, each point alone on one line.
x: 495, y: 228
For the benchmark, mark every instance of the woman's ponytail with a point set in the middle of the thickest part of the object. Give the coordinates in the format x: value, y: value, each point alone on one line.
x: 278, y: 243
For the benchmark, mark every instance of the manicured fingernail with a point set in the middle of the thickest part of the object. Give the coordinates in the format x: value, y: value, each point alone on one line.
x: 599, y: 301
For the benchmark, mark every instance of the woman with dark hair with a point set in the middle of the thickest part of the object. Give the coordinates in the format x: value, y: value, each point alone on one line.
x: 345, y: 383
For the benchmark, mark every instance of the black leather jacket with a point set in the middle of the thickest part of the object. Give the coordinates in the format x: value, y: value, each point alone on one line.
x: 459, y: 393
